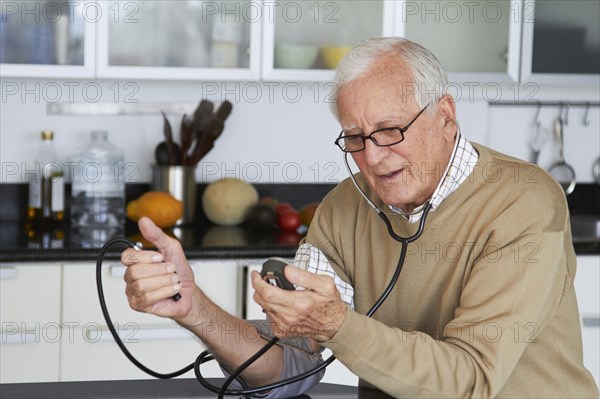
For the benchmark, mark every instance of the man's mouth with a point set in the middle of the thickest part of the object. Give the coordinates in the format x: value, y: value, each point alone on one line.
x: 389, y: 177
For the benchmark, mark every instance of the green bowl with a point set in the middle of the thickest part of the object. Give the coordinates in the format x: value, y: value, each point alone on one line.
x: 295, y: 56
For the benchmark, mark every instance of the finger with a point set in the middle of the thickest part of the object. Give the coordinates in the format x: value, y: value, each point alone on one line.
x: 132, y: 256
x: 166, y: 245
x: 265, y: 294
x: 262, y: 286
x: 309, y: 280
x: 142, y: 286
x: 143, y: 270
x: 146, y: 301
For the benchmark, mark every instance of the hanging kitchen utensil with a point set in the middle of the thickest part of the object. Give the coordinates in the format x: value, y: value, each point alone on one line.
x: 596, y: 171
x: 562, y: 171
x: 538, y: 137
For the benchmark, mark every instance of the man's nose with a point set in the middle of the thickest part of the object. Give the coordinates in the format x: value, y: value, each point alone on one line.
x: 374, y: 153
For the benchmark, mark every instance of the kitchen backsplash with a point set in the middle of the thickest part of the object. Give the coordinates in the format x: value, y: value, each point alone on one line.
x: 272, y: 138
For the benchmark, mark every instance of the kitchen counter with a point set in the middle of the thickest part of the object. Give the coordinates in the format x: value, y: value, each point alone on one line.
x: 19, y: 244
x: 164, y: 389
x: 201, y: 241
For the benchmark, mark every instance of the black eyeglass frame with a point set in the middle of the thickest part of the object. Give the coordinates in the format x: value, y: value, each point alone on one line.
x: 370, y: 136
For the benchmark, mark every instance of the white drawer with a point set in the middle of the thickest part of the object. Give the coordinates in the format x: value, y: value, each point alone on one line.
x: 29, y: 295
x: 30, y: 358
x: 91, y: 354
x: 80, y: 297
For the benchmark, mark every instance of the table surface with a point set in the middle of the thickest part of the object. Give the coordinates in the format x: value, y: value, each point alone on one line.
x: 164, y: 389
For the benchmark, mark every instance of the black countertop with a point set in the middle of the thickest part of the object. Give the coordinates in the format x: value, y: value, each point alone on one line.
x: 203, y: 240
x: 164, y: 389
x: 18, y: 244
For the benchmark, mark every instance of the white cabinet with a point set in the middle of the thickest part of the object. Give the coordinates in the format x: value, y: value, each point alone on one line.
x: 53, y: 328
x: 31, y: 323
x: 175, y: 40
x: 304, y: 40
x: 48, y: 38
x: 88, y: 351
x: 491, y: 41
x: 587, y: 281
x: 475, y: 41
x: 561, y: 42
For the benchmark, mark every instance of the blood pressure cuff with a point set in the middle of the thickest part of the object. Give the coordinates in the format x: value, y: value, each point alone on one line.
x: 297, y: 358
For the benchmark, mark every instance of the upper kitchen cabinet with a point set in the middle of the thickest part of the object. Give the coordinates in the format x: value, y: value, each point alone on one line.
x: 475, y: 41
x: 47, y: 38
x: 304, y: 40
x: 180, y: 39
x: 561, y: 42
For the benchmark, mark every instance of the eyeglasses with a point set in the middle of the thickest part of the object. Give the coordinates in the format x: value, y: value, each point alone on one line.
x: 385, y: 137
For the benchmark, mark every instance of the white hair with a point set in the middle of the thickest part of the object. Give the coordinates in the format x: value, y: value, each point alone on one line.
x: 429, y: 78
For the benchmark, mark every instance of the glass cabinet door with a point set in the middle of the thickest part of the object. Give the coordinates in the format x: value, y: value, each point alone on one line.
x: 304, y: 40
x: 46, y: 38
x: 561, y: 38
x: 473, y: 40
x: 180, y: 39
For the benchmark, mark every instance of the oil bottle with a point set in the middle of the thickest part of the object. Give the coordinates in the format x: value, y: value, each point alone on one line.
x: 46, y: 186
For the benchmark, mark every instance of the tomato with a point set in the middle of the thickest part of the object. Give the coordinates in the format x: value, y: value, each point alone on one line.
x: 282, y: 206
x: 289, y: 220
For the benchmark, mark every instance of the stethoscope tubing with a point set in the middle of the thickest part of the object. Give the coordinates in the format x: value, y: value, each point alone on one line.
x: 207, y: 356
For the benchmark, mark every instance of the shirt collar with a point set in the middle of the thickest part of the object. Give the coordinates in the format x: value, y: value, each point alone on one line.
x: 462, y: 165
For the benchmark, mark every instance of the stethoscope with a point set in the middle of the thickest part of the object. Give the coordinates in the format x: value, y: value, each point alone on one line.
x: 206, y: 356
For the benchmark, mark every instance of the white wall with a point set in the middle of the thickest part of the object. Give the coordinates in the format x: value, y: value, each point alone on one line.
x: 276, y: 133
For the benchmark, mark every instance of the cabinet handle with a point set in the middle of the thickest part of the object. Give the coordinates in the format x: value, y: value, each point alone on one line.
x: 140, y: 334
x: 20, y: 337
x: 591, y: 321
x: 8, y: 273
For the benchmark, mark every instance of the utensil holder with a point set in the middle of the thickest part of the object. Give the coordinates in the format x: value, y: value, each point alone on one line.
x: 180, y: 182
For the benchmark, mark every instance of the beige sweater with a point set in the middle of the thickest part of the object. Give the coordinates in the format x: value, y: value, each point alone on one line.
x: 485, y: 305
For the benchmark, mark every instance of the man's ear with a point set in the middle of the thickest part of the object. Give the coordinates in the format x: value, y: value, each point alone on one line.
x: 447, y: 115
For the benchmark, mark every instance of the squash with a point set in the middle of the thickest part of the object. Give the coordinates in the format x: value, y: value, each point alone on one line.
x: 226, y: 202
x: 160, y: 206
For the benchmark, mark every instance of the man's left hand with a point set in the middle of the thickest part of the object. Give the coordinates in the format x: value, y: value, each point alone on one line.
x: 316, y: 312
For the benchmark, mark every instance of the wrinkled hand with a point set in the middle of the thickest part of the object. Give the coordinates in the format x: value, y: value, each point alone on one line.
x: 154, y: 277
x: 316, y: 312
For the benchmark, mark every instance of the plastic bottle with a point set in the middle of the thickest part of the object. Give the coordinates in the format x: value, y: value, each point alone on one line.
x: 98, y: 187
x: 47, y: 186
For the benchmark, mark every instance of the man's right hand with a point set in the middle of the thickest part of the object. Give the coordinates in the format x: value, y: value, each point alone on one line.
x: 153, y: 277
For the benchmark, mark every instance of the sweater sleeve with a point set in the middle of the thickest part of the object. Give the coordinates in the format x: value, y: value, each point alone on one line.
x: 507, y: 299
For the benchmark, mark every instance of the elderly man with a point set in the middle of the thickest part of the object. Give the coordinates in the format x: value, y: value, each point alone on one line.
x: 484, y: 306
